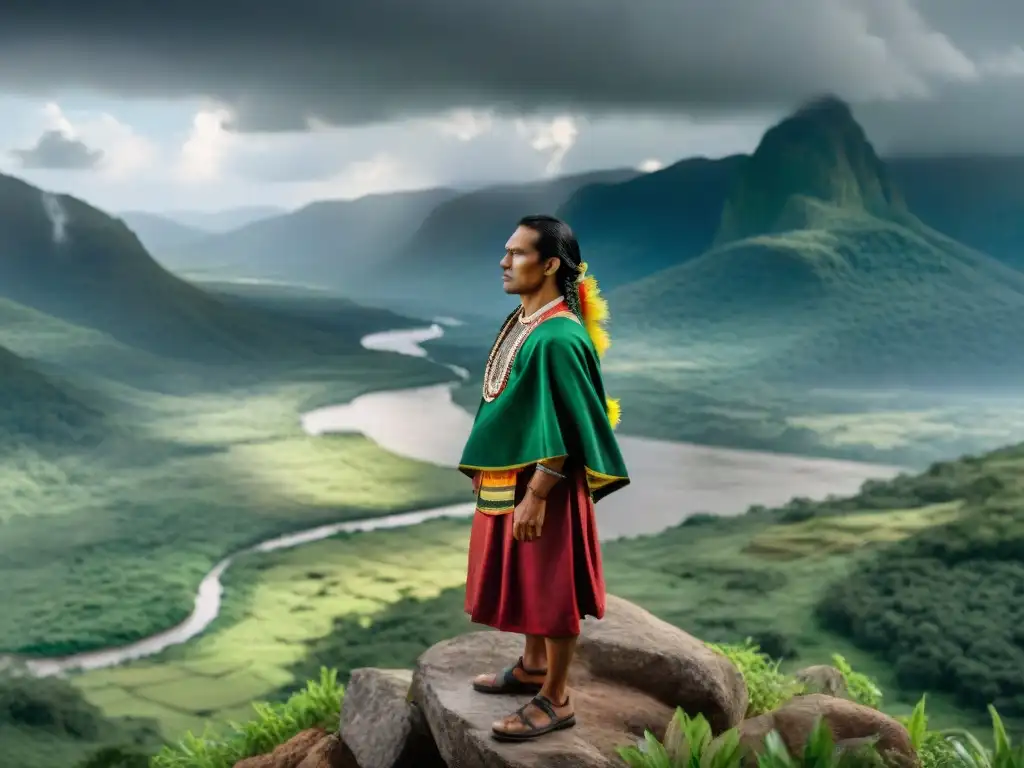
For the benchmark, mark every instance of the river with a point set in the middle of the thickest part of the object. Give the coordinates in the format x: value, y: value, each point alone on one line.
x: 670, y: 482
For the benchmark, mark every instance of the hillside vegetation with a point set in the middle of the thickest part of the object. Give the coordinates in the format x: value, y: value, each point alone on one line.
x: 772, y: 575
x: 977, y: 200
x: 38, y: 409
x: 820, y: 276
x: 67, y: 259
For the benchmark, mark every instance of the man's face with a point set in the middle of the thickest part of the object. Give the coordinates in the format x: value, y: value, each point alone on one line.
x: 523, y: 272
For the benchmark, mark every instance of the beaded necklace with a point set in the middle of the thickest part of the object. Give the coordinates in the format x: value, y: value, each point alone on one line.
x: 510, y: 339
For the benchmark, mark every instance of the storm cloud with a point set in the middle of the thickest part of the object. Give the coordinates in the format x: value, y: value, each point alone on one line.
x: 54, y: 151
x: 279, y: 64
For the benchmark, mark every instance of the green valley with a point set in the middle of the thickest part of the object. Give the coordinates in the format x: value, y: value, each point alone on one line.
x: 777, y: 576
x: 151, y: 427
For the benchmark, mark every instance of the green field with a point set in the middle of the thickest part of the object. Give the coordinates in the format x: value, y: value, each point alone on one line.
x: 189, y: 463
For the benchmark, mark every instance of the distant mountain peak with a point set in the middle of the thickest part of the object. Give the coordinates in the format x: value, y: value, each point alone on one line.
x: 819, y: 152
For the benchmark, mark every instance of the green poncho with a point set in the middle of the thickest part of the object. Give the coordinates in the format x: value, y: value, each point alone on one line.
x: 552, y: 406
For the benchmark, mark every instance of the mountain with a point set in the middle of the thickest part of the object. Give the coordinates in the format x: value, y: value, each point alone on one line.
x: 64, y: 258
x: 462, y: 241
x: 324, y: 243
x: 819, y: 273
x: 158, y: 233
x: 653, y: 221
x: 977, y: 200
x: 226, y: 220
x: 819, y: 153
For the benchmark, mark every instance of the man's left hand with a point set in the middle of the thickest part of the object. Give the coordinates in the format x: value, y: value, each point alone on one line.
x: 528, y: 518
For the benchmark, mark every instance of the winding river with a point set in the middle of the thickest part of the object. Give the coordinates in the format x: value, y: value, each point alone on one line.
x: 671, y: 481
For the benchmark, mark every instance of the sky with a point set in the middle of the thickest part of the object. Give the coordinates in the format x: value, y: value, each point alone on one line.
x: 213, y: 104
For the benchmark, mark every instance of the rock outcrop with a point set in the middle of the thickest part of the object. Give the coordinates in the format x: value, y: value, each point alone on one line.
x: 847, y: 720
x: 631, y: 672
x: 312, y: 748
x: 381, y: 727
x: 821, y: 678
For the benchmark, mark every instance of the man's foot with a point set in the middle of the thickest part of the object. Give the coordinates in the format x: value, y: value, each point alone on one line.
x: 514, y: 679
x: 537, y: 717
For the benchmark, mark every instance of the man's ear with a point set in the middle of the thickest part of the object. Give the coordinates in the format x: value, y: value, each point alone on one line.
x: 551, y: 266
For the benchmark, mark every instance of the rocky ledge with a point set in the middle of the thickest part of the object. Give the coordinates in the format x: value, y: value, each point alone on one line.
x: 631, y: 672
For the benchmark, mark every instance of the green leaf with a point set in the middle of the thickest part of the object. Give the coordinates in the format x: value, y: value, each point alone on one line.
x: 917, y: 727
x: 723, y: 752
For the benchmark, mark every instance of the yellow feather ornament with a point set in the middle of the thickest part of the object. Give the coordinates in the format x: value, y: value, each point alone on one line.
x: 594, y: 309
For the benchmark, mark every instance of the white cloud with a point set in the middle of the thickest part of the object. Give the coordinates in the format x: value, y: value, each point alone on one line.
x: 650, y: 165
x: 203, y: 153
x: 381, y: 173
x: 187, y: 159
x: 466, y: 124
x: 126, y: 153
x: 554, y: 137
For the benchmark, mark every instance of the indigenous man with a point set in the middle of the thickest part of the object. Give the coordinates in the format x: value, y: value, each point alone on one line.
x: 541, y: 452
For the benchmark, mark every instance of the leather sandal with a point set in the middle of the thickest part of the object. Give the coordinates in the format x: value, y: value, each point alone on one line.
x: 507, y: 682
x: 545, y: 705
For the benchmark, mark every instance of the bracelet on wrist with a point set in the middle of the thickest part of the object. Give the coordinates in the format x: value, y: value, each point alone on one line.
x: 531, y: 489
x: 549, y: 471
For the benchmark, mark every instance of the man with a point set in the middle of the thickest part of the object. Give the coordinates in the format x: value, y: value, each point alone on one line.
x: 541, y: 453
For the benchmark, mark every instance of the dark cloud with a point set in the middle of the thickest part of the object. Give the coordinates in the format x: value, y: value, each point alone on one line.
x: 55, y: 151
x: 351, y: 62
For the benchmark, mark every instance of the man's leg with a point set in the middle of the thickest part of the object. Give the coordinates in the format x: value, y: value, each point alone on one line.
x: 560, y: 651
x: 532, y: 671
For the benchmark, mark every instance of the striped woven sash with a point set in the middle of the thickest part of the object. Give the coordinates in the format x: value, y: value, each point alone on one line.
x: 497, y: 494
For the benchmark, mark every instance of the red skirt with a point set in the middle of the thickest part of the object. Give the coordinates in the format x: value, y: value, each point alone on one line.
x: 545, y: 586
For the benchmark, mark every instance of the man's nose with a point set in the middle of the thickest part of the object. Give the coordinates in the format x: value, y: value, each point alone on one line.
x: 506, y: 261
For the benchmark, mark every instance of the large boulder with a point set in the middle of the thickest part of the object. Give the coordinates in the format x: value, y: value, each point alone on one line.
x: 848, y: 722
x: 631, y: 671
x: 634, y: 647
x: 381, y: 727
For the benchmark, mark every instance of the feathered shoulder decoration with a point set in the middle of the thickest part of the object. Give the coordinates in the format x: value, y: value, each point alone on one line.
x: 594, y: 309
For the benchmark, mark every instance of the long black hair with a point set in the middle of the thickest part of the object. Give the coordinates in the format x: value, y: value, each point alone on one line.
x: 556, y: 240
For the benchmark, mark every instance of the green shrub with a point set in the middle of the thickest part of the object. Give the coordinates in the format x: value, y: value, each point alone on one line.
x: 973, y: 754
x: 767, y: 687
x: 688, y: 744
x: 318, y: 705
x: 860, y: 688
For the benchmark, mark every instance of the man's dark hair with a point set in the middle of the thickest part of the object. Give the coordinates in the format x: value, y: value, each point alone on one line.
x: 556, y: 240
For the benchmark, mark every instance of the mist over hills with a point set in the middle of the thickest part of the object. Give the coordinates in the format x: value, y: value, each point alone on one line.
x: 326, y: 243
x: 225, y: 220
x: 396, y: 249
x: 159, y: 233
